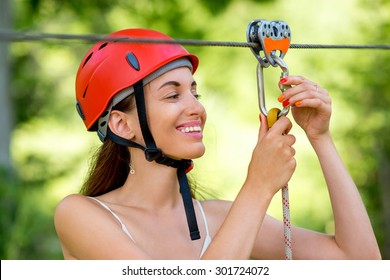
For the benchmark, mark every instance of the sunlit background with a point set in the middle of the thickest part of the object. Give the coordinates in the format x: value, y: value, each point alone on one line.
x: 49, y: 148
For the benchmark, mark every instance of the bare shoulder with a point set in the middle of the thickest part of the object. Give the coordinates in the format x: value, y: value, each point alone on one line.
x: 66, y: 204
x: 88, y: 231
x: 72, y: 215
x: 76, y: 208
x: 71, y: 200
x: 76, y: 212
x: 71, y: 205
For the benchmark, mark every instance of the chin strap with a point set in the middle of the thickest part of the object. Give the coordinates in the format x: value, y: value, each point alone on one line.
x: 152, y: 153
x: 187, y: 199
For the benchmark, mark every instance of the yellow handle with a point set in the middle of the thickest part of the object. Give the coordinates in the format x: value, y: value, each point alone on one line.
x: 272, y: 116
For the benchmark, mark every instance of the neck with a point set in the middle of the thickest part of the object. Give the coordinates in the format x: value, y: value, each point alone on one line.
x: 152, y: 186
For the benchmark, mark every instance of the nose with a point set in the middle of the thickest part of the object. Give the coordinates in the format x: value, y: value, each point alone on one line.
x: 194, y: 107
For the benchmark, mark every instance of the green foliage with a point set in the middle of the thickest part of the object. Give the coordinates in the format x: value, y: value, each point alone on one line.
x: 8, y: 206
x: 369, y: 133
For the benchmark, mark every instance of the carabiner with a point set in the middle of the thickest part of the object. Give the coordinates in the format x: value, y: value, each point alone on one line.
x: 260, y: 86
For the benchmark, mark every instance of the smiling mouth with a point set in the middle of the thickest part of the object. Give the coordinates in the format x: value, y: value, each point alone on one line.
x: 190, y: 129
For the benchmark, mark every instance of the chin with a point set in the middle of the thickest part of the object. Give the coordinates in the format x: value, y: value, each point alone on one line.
x: 188, y: 154
x: 198, y: 155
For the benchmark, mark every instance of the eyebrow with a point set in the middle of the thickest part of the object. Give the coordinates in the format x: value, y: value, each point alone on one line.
x: 175, y: 83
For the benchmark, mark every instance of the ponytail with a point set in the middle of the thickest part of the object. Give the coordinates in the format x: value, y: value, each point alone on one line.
x: 109, y: 169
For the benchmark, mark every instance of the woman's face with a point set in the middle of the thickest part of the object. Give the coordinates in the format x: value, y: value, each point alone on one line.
x: 176, y: 118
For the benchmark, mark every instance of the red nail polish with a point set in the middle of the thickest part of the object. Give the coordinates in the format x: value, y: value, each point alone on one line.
x: 286, y: 103
x: 283, y: 80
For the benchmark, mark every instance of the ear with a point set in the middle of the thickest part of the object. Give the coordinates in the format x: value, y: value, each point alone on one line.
x: 120, y: 124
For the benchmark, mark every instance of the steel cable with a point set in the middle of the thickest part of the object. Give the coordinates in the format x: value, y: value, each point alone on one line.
x: 7, y: 35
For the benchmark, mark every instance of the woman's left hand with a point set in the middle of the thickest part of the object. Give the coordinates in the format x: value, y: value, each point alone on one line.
x: 311, y: 105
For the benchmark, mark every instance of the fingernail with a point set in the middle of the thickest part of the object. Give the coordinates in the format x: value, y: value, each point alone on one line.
x: 286, y: 103
x: 299, y: 102
x: 281, y: 97
x: 283, y: 80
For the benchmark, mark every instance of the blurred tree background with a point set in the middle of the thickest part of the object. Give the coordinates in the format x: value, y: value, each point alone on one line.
x: 44, y: 148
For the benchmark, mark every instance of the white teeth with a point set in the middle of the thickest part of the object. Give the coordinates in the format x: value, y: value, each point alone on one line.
x: 190, y: 129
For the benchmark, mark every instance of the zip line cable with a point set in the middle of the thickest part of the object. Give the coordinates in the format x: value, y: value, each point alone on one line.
x: 22, y: 36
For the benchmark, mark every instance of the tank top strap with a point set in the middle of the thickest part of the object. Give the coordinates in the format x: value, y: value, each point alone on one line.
x: 115, y: 216
x: 203, y: 216
x: 207, y: 239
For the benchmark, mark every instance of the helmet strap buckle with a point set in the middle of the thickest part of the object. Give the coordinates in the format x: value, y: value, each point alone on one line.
x: 152, y: 154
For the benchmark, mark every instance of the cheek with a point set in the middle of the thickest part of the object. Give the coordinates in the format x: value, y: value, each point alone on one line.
x: 162, y: 121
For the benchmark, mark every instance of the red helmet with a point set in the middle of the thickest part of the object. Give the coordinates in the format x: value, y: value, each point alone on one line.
x: 109, y: 67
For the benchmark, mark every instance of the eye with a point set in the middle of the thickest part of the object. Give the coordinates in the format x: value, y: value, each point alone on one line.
x: 197, y: 96
x: 174, y: 95
x: 195, y: 93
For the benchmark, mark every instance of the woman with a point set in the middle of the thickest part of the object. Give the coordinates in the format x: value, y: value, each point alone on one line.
x: 142, y: 100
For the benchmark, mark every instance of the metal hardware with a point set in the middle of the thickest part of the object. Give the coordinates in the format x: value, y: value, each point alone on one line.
x: 272, y: 37
x: 274, y: 40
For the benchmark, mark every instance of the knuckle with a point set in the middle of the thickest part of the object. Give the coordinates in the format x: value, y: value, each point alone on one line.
x: 292, y: 151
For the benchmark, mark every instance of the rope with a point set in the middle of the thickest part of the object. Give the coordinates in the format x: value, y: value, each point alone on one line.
x: 7, y: 35
x: 271, y: 119
x: 286, y: 224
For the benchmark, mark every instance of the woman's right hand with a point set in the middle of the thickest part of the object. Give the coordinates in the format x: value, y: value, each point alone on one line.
x: 273, y: 162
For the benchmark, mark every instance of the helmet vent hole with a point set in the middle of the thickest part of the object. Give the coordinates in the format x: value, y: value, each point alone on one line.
x: 85, y: 92
x: 133, y: 61
x: 104, y: 114
x: 103, y: 45
x: 87, y: 59
x: 103, y: 124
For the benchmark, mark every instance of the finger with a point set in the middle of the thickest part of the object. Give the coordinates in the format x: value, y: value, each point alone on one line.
x: 294, y: 80
x: 263, y: 126
x: 312, y: 103
x: 301, y: 92
x: 282, y: 126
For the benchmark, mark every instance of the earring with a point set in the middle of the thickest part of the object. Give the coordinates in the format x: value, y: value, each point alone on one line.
x: 132, y: 171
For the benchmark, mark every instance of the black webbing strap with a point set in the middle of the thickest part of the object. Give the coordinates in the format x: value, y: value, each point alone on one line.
x: 188, y: 205
x: 151, y: 150
x: 122, y: 141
